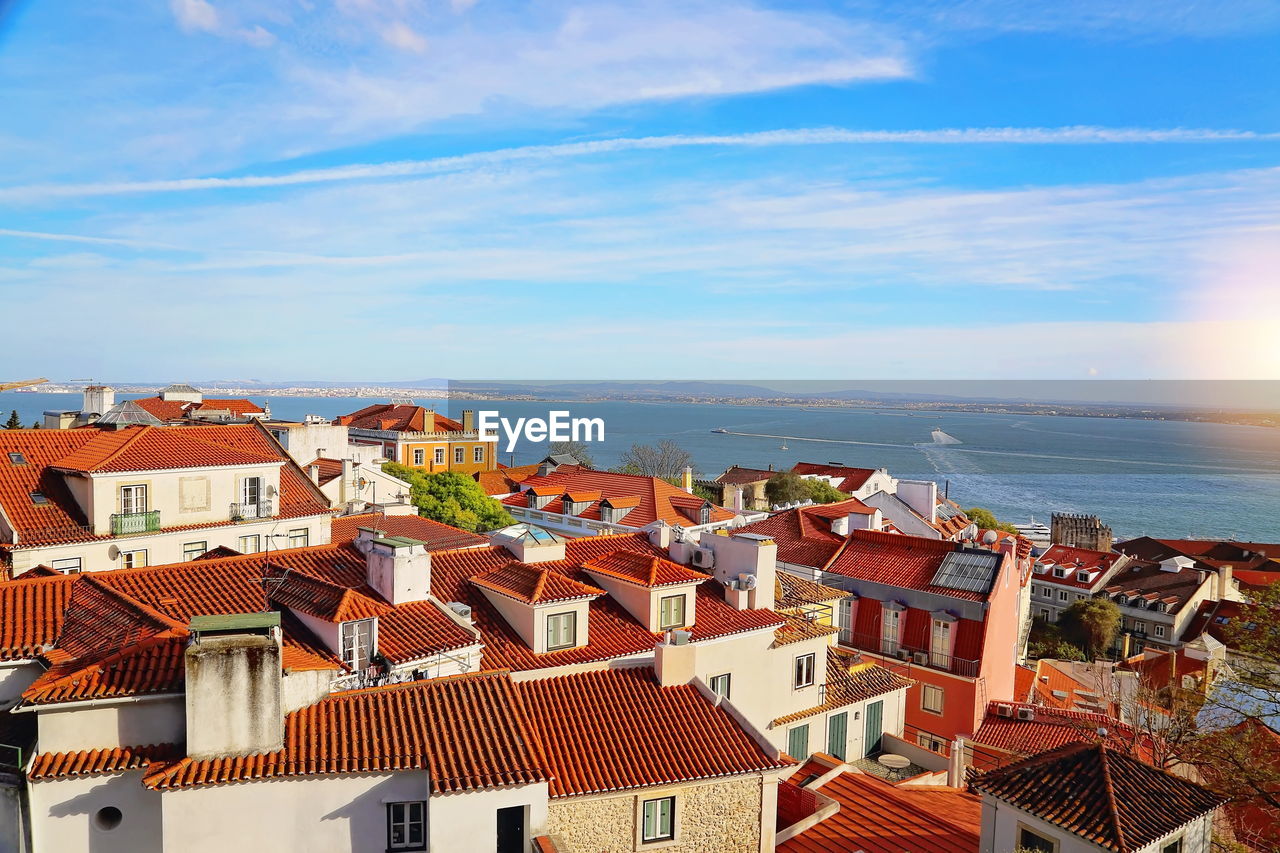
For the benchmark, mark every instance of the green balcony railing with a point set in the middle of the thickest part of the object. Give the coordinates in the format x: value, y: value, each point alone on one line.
x: 131, y: 523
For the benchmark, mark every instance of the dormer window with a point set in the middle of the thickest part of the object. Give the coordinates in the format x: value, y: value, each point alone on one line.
x: 1122, y: 599
x: 1059, y: 572
x: 1082, y: 577
x: 359, y: 643
x: 16, y: 458
x: 671, y: 612
x: 39, y: 499
x: 562, y: 630
x: 704, y: 514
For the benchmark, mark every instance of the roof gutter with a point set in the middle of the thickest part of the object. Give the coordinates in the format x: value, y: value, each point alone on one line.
x: 94, y: 703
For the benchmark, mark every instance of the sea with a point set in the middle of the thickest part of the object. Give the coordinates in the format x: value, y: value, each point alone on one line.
x: 1142, y: 477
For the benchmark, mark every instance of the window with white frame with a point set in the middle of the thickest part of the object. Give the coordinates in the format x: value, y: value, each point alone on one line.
x: 720, y: 685
x: 1062, y: 595
x: 299, y: 537
x: 251, y: 492
x: 890, y: 625
x: 658, y: 820
x: 1139, y: 627
x: 407, y: 826
x: 68, y: 565
x: 251, y: 544
x: 439, y: 456
x: 671, y: 612
x: 931, y: 698
x: 1159, y: 631
x: 804, y: 670
x: 133, y: 499
x: 477, y: 454
x: 419, y: 456
x: 133, y: 559
x: 191, y: 550
x: 358, y: 638
x: 940, y: 647
x: 562, y: 630
x: 1031, y: 841
x: 459, y: 454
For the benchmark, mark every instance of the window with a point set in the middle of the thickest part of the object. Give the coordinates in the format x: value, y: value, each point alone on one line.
x: 1159, y: 631
x: 191, y: 550
x: 16, y: 458
x: 357, y: 643
x: 562, y: 631
x: 720, y: 685
x: 659, y: 820
x: 1059, y: 572
x: 1044, y: 614
x: 439, y: 455
x: 459, y: 453
x: 67, y: 565
x: 407, y: 826
x: 798, y: 742
x: 889, y: 619
x: 804, y: 671
x: 39, y: 499
x: 1139, y: 627
x: 940, y: 650
x: 251, y: 491
x: 1033, y: 842
x: 1174, y: 846
x: 133, y: 559
x: 419, y: 456
x: 1062, y: 595
x: 299, y: 538
x: 671, y: 612
x: 931, y: 698
x: 478, y: 454
x: 250, y: 544
x: 133, y: 499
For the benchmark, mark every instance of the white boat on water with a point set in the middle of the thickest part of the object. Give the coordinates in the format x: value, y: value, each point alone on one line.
x: 1036, y: 531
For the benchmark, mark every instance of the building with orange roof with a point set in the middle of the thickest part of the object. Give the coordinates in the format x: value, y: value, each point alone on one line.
x: 422, y: 438
x: 94, y: 499
x: 175, y: 404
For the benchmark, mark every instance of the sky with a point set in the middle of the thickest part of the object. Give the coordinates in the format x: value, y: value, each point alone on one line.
x: 387, y: 190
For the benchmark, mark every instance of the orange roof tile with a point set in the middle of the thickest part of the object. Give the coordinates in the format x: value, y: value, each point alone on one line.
x: 793, y: 591
x: 150, y: 448
x: 797, y: 630
x: 673, y: 734
x: 327, y: 469
x: 650, y: 497
x: 330, y: 602
x: 504, y: 480
x: 1051, y: 727
x: 897, y: 560
x: 98, y: 762
x: 434, y: 535
x: 643, y: 569
x: 850, y: 479
x: 1106, y: 797
x: 414, y: 726
x: 803, y: 535
x: 534, y: 584
x: 31, y: 614
x: 398, y: 418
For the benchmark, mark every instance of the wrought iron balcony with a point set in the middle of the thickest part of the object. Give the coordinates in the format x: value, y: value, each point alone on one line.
x: 895, y: 651
x: 133, y: 523
x: 248, y: 512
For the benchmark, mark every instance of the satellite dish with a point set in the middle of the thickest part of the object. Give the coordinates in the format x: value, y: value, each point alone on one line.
x: 990, y: 537
x: 113, y: 552
x: 748, y: 581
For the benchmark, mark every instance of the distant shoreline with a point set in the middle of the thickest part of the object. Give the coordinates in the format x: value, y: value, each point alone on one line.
x: 1037, y: 409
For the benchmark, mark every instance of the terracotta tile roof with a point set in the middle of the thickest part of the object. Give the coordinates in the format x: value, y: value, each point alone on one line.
x: 1070, y: 686
x: 849, y: 680
x: 1148, y: 582
x: 329, y: 469
x: 534, y: 584
x: 739, y: 476
x: 796, y: 630
x: 504, y: 480
x: 434, y: 535
x: 1075, y: 560
x: 99, y: 762
x: 1218, y: 619
x: 1104, y: 796
x: 803, y: 535
x: 673, y: 734
x: 398, y: 418
x: 327, y: 601
x: 60, y: 518
x: 1051, y: 727
x: 650, y: 497
x: 31, y: 614
x: 792, y: 591
x: 643, y: 569
x: 876, y: 817
x: 172, y: 410
x: 1024, y: 680
x: 151, y: 665
x: 419, y: 630
x: 150, y: 448
x: 848, y: 480
x: 910, y: 562
x: 414, y: 726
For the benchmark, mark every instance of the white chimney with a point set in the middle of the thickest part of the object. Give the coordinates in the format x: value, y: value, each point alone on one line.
x: 921, y: 496
x: 675, y: 659
x: 314, y: 472
x: 233, y: 689
x: 98, y: 399
x: 840, y: 525
x: 660, y: 534
x: 745, y: 554
x: 399, y: 569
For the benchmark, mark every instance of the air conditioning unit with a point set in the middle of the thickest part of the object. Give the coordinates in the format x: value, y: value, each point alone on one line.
x: 704, y: 558
x: 904, y: 654
x: 921, y: 658
x: 681, y: 637
x: 1004, y: 710
x: 1026, y: 713
x: 463, y: 610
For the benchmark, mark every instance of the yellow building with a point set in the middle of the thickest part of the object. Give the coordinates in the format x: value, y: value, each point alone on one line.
x: 421, y: 438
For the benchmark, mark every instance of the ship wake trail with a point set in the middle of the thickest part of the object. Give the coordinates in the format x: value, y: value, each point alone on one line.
x: 940, y: 437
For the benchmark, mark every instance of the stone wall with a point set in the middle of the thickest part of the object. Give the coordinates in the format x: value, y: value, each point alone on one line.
x: 719, y: 817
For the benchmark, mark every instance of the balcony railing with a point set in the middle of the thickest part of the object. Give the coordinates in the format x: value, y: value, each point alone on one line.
x: 248, y: 512
x: 133, y: 523
x: 910, y: 655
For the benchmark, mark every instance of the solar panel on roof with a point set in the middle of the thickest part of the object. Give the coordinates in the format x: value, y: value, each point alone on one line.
x: 969, y: 571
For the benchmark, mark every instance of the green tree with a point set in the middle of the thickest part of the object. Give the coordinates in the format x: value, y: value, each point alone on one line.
x: 451, y: 498
x: 1046, y: 641
x: 1091, y: 623
x: 985, y: 519
x: 822, y: 492
x: 786, y: 488
x: 577, y: 449
x: 13, y: 422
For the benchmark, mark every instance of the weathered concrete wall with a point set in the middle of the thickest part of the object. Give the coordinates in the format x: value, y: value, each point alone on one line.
x: 233, y: 696
x: 722, y: 816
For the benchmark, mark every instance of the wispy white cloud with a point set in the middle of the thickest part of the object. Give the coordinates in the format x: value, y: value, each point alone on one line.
x: 1078, y: 135
x: 200, y: 16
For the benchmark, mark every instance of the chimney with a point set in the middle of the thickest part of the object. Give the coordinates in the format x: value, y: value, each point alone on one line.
x: 1223, y: 584
x: 686, y: 479
x: 98, y: 399
x: 955, y: 766
x: 233, y: 689
x: 313, y: 471
x: 398, y: 568
x: 840, y: 525
x: 675, y: 659
x: 660, y: 534
x: 741, y: 556
x: 921, y: 496
x: 468, y: 420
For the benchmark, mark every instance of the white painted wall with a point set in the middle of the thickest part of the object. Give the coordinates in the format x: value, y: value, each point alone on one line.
x: 63, y: 815
x: 183, y: 496
x: 108, y: 724
x: 468, y: 821
x: 15, y: 677
x: 1000, y: 832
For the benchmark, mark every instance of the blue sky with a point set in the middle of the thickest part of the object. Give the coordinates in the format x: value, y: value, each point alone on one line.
x: 354, y: 189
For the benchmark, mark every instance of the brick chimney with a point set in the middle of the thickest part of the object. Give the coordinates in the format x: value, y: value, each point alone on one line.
x: 233, y: 689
